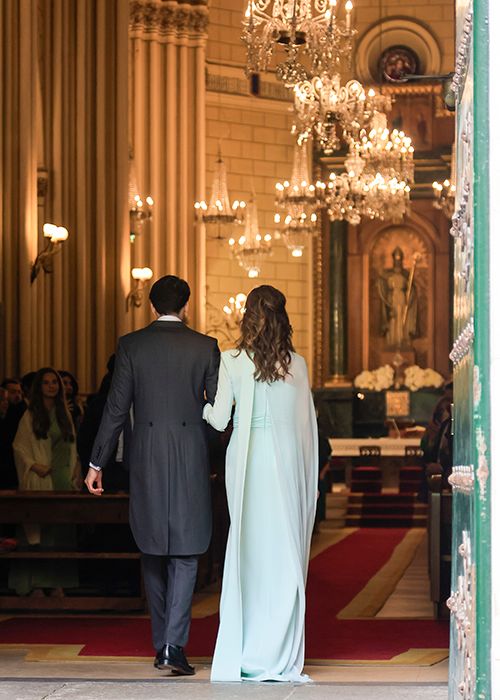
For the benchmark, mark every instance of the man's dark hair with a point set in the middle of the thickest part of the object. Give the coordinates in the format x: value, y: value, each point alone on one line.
x: 9, y: 380
x: 27, y: 382
x: 169, y: 294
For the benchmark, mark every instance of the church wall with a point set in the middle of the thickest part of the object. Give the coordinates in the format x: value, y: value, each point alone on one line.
x: 254, y: 132
x: 79, y: 135
x: 257, y: 147
x: 258, y: 152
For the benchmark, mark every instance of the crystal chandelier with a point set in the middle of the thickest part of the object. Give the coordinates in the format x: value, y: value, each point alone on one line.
x: 330, y: 110
x: 219, y: 214
x: 298, y: 201
x: 251, y: 247
x: 387, y: 152
x: 357, y: 192
x: 311, y: 24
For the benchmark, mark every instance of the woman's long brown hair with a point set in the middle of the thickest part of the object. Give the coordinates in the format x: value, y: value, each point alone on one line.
x: 266, y: 333
x: 40, y: 415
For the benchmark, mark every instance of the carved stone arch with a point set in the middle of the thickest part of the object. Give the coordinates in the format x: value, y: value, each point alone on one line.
x: 396, y: 31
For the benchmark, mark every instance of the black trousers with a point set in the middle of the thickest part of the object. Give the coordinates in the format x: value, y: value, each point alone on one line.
x: 169, y: 583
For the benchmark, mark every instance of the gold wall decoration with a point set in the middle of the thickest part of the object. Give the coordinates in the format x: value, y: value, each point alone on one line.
x: 397, y: 404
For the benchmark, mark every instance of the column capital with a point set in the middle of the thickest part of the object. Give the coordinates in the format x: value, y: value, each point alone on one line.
x: 168, y: 18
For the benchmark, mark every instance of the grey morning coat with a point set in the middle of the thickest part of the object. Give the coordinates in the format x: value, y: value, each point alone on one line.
x: 166, y: 372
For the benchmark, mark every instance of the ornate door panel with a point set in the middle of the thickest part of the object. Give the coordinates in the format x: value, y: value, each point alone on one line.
x: 468, y: 603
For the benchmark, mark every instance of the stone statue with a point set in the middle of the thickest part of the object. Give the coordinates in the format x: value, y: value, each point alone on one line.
x: 399, y: 304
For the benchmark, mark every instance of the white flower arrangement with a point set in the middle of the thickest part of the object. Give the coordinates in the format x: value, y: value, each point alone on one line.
x: 417, y: 378
x: 376, y: 380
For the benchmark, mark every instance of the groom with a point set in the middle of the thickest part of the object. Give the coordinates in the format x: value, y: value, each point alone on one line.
x: 165, y: 373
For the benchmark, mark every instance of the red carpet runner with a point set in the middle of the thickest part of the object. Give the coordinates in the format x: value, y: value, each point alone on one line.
x: 335, y: 577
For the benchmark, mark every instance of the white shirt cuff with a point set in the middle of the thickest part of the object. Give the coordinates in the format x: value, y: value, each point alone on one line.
x: 93, y: 466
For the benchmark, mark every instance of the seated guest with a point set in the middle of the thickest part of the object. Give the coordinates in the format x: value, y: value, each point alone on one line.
x: 116, y: 475
x: 4, y: 402
x: 45, y: 455
x: 72, y: 399
x: 437, y: 441
x: 325, y: 452
x: 26, y: 384
x: 14, y: 391
x: 8, y: 475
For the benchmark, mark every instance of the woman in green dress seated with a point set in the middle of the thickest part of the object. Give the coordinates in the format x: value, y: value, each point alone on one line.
x: 45, y: 455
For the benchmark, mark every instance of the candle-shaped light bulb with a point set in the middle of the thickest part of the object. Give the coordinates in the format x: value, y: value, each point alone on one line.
x: 348, y: 10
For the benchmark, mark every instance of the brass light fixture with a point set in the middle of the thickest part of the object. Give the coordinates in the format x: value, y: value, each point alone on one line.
x: 44, y: 260
x: 140, y: 276
x: 140, y: 209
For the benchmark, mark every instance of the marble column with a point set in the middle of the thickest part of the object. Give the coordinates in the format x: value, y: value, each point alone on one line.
x: 338, y: 302
x: 167, y: 139
x: 63, y: 99
x: 84, y: 87
x: 18, y: 182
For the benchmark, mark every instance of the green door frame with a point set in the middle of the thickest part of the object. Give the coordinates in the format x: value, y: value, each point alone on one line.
x: 481, y: 421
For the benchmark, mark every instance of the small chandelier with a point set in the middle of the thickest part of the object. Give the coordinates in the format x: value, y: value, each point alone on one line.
x: 357, y: 192
x: 219, y: 214
x: 298, y: 201
x: 328, y: 109
x: 311, y: 24
x: 444, y: 197
x: 444, y: 192
x: 251, y: 248
x: 387, y: 152
x: 319, y: 105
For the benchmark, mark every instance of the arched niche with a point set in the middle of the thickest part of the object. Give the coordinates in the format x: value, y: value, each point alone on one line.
x: 370, y: 254
x: 396, y: 31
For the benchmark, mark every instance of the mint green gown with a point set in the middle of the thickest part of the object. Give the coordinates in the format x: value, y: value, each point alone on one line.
x: 271, y: 482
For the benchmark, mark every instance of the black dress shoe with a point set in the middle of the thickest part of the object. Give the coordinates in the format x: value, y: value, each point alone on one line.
x: 172, y: 657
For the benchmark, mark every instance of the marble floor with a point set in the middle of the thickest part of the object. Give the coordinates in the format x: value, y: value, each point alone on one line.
x: 86, y: 680
x: 196, y: 690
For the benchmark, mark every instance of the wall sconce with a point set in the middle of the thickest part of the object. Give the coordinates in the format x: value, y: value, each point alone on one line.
x: 44, y: 259
x: 226, y: 325
x: 235, y: 308
x: 140, y: 275
x: 139, y: 214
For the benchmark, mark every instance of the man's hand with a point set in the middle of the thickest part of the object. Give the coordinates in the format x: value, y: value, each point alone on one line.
x: 93, y: 482
x: 41, y: 470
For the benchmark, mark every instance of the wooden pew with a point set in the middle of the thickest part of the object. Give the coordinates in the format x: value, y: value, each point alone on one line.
x: 52, y: 507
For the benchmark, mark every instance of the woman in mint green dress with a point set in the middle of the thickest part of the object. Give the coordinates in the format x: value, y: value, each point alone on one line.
x: 271, y: 482
x: 45, y: 455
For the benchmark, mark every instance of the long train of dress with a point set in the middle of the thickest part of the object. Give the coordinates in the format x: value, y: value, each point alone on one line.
x: 271, y: 480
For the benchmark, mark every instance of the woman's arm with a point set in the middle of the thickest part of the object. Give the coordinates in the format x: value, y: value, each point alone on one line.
x: 219, y: 414
x: 25, y: 455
